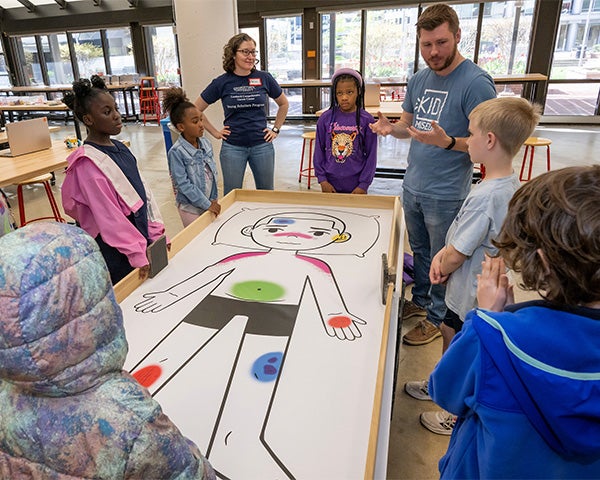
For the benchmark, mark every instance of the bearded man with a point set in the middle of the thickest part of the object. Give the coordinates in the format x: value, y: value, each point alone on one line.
x: 435, y: 116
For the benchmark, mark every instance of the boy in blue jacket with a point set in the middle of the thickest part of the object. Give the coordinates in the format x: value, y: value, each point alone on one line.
x: 528, y: 399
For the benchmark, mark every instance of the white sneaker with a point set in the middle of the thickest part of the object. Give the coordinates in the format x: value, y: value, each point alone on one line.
x: 418, y: 389
x: 441, y: 422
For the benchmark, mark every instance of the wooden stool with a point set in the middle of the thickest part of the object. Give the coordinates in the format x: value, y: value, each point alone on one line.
x: 310, y: 171
x: 44, y: 180
x: 533, y: 142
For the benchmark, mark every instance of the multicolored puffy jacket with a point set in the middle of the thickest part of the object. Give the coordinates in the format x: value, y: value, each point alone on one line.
x: 67, y: 409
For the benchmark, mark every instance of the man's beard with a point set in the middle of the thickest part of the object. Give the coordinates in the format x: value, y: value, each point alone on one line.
x: 448, y: 61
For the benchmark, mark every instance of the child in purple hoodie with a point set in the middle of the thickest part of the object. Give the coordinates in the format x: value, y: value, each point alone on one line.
x: 346, y: 148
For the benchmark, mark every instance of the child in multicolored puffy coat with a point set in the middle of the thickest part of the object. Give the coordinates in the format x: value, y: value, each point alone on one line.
x: 67, y: 408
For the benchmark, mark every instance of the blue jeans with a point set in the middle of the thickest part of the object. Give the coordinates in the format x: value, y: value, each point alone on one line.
x: 427, y: 222
x: 234, y: 158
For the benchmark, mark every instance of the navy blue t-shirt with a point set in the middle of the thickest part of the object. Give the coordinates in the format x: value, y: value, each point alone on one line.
x: 125, y: 160
x: 244, y: 101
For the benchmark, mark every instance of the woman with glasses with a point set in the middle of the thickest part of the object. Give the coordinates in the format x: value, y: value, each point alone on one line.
x: 244, y: 92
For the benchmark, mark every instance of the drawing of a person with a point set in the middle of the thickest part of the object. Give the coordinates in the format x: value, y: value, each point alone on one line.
x: 263, y: 290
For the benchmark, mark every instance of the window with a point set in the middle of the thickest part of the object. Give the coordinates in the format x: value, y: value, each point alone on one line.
x: 4, y: 77
x: 120, y: 51
x: 163, y: 54
x: 89, y: 53
x: 390, y: 45
x: 284, y: 57
x: 31, y: 61
x: 340, y: 41
x: 505, y: 33
x: 58, y: 59
x: 284, y: 48
x: 576, y: 58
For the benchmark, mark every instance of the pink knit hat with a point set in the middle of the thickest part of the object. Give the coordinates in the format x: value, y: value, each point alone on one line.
x: 347, y: 71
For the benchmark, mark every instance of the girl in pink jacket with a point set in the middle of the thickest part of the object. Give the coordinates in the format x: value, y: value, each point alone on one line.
x: 103, y: 189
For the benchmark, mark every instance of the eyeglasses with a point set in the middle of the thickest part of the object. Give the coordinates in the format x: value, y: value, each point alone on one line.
x: 247, y: 53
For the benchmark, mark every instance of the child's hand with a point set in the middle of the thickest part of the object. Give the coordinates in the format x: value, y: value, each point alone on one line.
x: 327, y: 187
x: 494, y: 291
x: 359, y: 191
x: 435, y: 271
x: 214, y: 207
x: 144, y: 272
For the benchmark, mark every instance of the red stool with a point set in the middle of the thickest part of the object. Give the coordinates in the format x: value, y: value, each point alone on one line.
x: 149, y: 103
x: 44, y: 180
x: 310, y: 171
x: 533, y: 142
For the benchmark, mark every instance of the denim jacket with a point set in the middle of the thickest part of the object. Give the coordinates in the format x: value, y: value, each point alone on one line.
x: 186, y: 167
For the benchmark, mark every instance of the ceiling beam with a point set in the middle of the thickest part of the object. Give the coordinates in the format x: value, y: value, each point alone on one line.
x: 28, y: 5
x: 62, y: 4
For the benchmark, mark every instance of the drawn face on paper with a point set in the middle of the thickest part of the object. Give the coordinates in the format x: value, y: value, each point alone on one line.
x: 297, y: 233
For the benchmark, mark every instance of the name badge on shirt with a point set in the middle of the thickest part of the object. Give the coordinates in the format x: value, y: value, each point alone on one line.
x: 255, y: 82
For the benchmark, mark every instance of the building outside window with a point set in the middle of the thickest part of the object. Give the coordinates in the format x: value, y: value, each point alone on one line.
x: 576, y: 58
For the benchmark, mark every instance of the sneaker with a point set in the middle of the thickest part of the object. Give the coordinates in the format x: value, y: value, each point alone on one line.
x: 418, y: 389
x: 441, y: 423
x: 411, y: 310
x: 424, y: 332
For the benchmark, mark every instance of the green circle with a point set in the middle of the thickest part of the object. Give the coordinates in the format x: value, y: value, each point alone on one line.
x: 258, y: 291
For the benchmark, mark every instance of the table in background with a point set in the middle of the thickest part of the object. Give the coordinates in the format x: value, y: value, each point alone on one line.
x: 61, y: 107
x: 16, y: 169
x: 123, y: 88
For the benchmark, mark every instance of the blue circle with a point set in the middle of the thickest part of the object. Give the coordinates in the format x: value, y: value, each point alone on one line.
x: 266, y: 367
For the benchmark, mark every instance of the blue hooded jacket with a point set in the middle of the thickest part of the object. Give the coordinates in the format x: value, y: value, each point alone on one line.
x: 525, y: 385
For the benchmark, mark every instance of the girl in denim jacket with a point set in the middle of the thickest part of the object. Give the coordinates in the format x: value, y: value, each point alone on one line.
x: 191, y: 162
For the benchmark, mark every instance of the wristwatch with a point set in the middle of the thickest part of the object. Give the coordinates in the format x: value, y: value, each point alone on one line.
x: 452, y: 143
x: 276, y: 130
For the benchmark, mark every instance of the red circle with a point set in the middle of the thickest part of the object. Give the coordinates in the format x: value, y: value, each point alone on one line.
x: 148, y: 375
x: 341, y: 321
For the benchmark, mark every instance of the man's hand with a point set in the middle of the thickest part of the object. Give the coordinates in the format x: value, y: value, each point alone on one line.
x: 382, y: 126
x: 436, y: 136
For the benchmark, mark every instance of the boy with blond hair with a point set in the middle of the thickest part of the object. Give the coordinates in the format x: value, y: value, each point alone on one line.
x: 497, y: 130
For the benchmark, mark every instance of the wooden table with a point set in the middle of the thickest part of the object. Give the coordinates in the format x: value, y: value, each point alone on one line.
x: 124, y: 88
x: 43, y: 107
x: 16, y: 169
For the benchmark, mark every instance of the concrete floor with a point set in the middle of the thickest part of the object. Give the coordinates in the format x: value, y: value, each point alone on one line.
x: 413, y: 451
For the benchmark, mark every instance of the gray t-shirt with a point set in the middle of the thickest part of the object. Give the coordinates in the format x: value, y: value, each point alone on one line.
x: 433, y: 171
x: 477, y: 223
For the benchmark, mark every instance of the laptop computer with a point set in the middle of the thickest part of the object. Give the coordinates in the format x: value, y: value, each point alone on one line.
x: 372, y: 94
x: 27, y: 136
